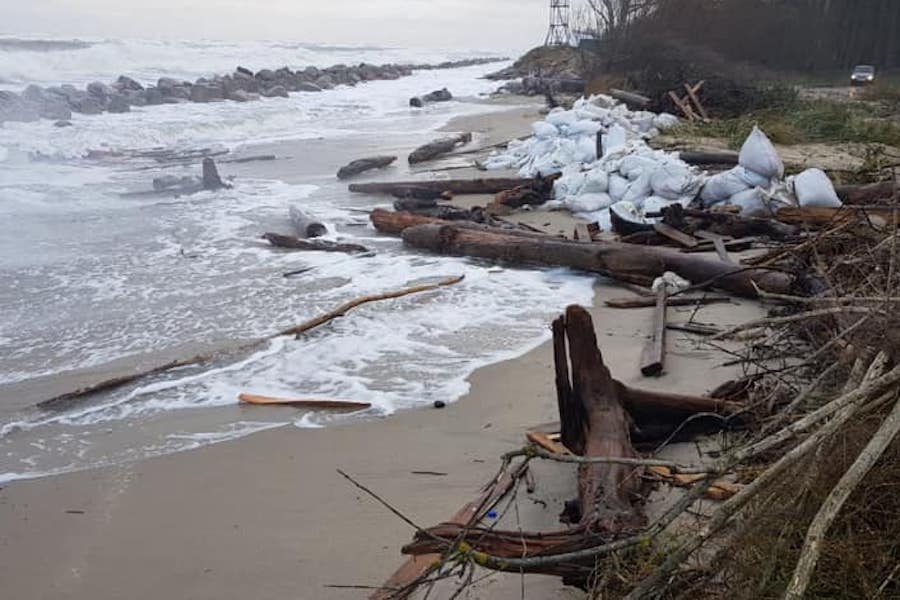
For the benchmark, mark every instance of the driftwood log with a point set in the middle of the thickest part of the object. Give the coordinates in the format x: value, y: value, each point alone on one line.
x: 294, y: 243
x: 726, y: 223
x: 865, y: 194
x: 624, y: 262
x: 438, y: 148
x: 305, y: 225
x: 696, y: 157
x: 631, y: 98
x: 594, y: 424
x: 536, y: 192
x: 365, y: 164
x: 491, y: 185
x: 211, y: 179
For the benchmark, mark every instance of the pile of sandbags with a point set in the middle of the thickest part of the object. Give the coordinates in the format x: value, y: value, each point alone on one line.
x: 569, y: 137
x: 633, y: 179
x: 758, y: 187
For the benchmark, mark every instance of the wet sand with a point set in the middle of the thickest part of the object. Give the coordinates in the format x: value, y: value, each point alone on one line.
x: 269, y: 517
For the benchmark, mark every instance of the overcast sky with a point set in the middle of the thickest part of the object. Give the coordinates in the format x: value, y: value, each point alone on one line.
x: 502, y: 24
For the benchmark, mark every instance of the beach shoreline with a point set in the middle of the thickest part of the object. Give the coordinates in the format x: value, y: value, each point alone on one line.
x: 268, y: 516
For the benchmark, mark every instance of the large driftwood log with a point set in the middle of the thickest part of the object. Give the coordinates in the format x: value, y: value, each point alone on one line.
x: 595, y: 425
x: 634, y: 264
x: 394, y: 222
x: 491, y: 185
x: 365, y: 164
x: 293, y: 243
x: 868, y: 193
x: 438, y: 148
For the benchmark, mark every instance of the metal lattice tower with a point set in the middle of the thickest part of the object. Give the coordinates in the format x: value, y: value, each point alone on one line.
x: 559, y: 33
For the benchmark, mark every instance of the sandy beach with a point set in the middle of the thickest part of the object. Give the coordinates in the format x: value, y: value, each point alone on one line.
x: 269, y: 517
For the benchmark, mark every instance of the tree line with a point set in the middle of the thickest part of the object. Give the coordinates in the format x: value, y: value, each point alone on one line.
x: 801, y: 35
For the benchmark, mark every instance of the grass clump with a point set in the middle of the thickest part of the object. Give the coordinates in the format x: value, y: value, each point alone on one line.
x: 802, y: 122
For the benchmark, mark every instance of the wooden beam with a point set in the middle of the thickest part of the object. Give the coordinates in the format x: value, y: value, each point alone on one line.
x: 677, y: 236
x: 653, y: 356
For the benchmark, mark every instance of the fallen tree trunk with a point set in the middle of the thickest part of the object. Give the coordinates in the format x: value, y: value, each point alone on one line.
x: 438, y: 148
x: 650, y: 301
x: 395, y: 222
x: 634, y: 264
x: 595, y: 425
x: 293, y: 243
x: 365, y: 164
x: 64, y: 401
x: 490, y: 185
x: 307, y: 404
x: 864, y: 194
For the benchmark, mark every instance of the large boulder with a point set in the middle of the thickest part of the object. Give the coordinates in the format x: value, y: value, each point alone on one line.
x: 242, y: 96
x: 54, y: 108
x: 100, y: 91
x: 124, y: 83
x: 15, y: 108
x: 180, y: 92
x: 206, y: 93
x: 153, y: 96
x: 266, y: 75
x: 118, y: 104
x: 325, y: 82
x: 136, y: 98
x: 87, y: 105
x: 166, y: 83
x: 304, y: 86
x: 34, y: 93
x: 277, y: 91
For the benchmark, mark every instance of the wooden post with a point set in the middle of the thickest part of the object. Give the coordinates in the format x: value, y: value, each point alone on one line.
x: 654, y: 355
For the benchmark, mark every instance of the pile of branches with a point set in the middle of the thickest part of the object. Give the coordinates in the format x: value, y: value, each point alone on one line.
x: 819, y: 463
x: 821, y: 517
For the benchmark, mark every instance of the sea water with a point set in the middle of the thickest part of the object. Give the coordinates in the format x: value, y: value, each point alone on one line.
x: 90, y: 278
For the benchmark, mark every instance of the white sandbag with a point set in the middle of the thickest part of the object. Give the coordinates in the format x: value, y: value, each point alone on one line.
x: 752, y: 179
x: 570, y: 183
x: 595, y: 181
x: 560, y: 117
x: 655, y: 204
x: 617, y: 187
x: 815, y: 190
x: 588, y: 202
x: 752, y: 202
x: 759, y: 155
x: 584, y: 127
x: 664, y: 121
x: 643, y: 121
x: 723, y: 186
x: 586, y: 149
x: 544, y: 130
x: 614, y: 139
x: 553, y: 205
x: 634, y: 165
x: 674, y: 181
x: 639, y: 190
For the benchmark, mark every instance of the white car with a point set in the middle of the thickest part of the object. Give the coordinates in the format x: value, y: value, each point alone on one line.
x: 863, y: 75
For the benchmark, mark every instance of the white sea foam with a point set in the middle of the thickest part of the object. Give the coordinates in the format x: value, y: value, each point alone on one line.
x: 147, y: 60
x: 88, y: 277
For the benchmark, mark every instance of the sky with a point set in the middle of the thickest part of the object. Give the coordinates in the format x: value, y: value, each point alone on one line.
x: 470, y: 24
